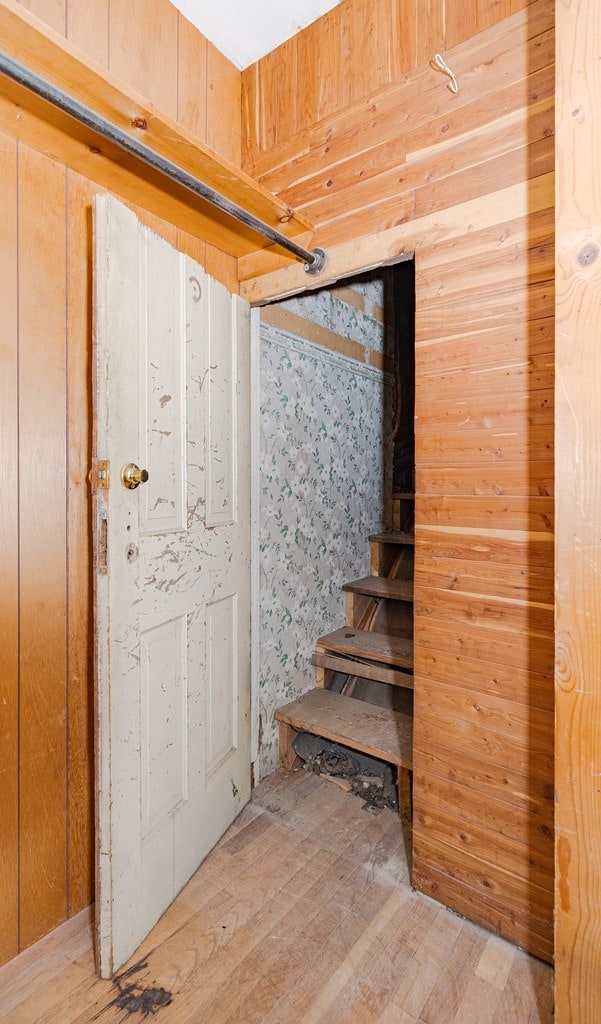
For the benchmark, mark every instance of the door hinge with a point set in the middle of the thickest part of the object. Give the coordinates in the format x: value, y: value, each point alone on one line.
x: 99, y: 474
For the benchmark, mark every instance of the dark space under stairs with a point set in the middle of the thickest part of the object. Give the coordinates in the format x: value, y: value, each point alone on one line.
x: 363, y: 672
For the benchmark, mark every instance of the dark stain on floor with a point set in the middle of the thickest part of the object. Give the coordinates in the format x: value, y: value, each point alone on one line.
x: 133, y: 997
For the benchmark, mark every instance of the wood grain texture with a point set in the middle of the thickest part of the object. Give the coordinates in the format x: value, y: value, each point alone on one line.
x: 381, y: 587
x: 448, y: 887
x: 284, y: 922
x: 87, y: 26
x: 80, y: 675
x: 359, y: 643
x: 192, y: 79
x: 223, y: 134
x: 400, y: 166
x: 578, y: 660
x: 139, y: 57
x: 52, y: 12
x: 43, y: 127
x: 9, y: 545
x: 377, y: 731
x: 516, y: 478
x: 49, y: 286
x: 379, y: 673
x: 43, y: 545
x: 224, y: 130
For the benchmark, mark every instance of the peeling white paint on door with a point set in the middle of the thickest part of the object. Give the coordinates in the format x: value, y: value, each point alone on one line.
x: 172, y: 599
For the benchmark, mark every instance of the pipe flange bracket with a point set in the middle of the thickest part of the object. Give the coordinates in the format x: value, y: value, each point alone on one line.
x: 318, y: 263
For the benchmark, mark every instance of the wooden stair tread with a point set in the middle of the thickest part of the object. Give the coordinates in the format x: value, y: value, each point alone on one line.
x: 393, y: 537
x: 362, y: 643
x: 379, y: 732
x: 382, y: 586
x: 375, y: 671
x: 404, y: 495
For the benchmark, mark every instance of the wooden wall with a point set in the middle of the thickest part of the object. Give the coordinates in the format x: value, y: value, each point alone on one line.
x: 350, y: 124
x: 578, y: 551
x: 46, y: 720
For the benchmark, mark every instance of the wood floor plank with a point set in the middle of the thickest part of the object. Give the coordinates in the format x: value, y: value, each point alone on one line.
x: 496, y: 962
x: 479, y: 1003
x: 303, y: 912
x: 415, y: 987
x: 445, y: 998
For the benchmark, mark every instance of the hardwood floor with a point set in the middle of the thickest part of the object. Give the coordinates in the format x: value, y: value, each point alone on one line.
x: 302, y: 913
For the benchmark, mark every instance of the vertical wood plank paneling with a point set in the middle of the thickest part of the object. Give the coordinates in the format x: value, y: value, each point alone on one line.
x: 430, y: 29
x: 578, y: 475
x: 268, y: 99
x: 461, y: 22
x: 80, y: 677
x: 327, y: 67
x: 224, y: 133
x: 309, y: 55
x: 52, y: 12
x: 353, y: 73
x: 490, y: 12
x: 192, y: 106
x: 9, y: 546
x: 143, y: 49
x: 42, y: 405
x: 252, y: 142
x: 88, y: 28
x: 143, y: 43
x: 192, y: 79
x: 285, y: 112
x: 224, y: 101
x: 403, y: 37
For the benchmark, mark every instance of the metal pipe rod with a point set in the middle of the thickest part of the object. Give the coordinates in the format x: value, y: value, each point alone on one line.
x: 314, y: 259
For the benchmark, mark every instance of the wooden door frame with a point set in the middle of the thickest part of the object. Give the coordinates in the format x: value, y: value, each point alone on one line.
x: 578, y: 535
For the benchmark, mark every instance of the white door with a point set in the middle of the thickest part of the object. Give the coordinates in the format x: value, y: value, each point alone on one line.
x: 171, y: 572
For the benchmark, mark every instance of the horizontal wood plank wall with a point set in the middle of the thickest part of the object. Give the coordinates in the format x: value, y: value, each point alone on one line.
x: 373, y: 142
x: 46, y: 711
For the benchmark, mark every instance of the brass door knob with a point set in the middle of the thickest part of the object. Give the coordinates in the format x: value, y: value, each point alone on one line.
x: 132, y: 476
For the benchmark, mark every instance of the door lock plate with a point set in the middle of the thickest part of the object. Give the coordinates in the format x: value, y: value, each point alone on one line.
x: 99, y: 474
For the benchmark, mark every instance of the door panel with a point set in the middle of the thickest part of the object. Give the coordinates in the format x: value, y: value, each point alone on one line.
x: 172, y: 572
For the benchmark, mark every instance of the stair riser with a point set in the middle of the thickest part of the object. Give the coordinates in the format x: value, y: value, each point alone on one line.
x: 360, y: 610
x: 377, y: 671
x: 392, y: 560
x: 403, y: 515
x: 380, y: 616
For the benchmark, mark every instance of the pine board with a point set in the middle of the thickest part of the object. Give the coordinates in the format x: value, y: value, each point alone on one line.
x: 392, y: 537
x: 377, y: 673
x: 381, y: 587
x: 379, y: 732
x: 361, y: 643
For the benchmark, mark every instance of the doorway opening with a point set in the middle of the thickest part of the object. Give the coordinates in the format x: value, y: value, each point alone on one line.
x: 336, y: 530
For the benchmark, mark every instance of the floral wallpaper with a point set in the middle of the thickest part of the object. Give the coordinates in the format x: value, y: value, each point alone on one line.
x: 324, y: 474
x: 324, y: 307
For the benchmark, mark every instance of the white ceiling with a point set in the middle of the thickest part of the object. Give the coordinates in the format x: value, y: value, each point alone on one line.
x: 245, y: 30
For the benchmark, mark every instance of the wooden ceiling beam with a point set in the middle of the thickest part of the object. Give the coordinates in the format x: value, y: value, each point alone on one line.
x: 38, y: 124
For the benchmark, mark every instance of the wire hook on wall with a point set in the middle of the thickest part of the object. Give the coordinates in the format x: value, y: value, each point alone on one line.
x: 442, y: 65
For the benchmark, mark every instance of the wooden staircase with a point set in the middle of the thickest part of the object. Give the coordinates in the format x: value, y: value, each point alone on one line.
x: 363, y: 671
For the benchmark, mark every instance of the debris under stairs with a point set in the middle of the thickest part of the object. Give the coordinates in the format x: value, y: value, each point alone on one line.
x: 364, y: 682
